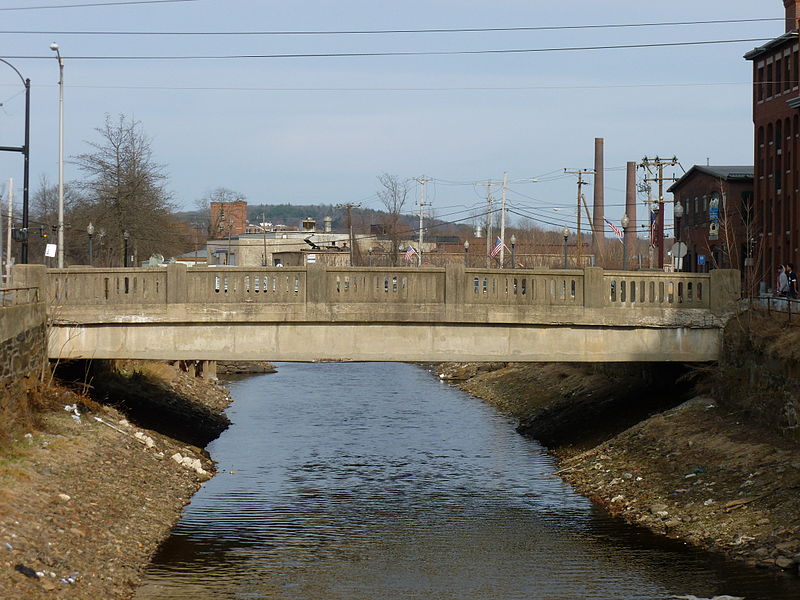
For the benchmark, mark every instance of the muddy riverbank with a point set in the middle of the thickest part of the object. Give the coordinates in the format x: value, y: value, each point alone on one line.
x: 704, y: 454
x: 87, y: 497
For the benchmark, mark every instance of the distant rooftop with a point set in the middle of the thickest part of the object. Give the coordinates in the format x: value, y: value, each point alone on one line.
x: 728, y: 173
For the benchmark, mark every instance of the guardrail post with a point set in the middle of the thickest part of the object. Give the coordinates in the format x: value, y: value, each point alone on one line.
x: 593, y: 288
x: 177, y: 284
x: 726, y: 289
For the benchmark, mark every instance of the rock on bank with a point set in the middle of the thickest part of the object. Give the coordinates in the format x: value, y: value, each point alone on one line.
x: 84, y: 503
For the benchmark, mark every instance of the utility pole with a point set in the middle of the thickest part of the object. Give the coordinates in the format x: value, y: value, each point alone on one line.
x: 421, y: 181
x: 581, y: 182
x: 503, y: 222
x: 658, y: 164
x: 8, y: 239
x: 489, y: 220
x: 264, y: 234
x: 349, y: 208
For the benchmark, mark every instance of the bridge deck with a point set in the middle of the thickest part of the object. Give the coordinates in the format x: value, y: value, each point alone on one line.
x: 385, y: 314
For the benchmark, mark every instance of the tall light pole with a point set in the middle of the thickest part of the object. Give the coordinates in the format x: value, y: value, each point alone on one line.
x: 466, y: 253
x: 90, y: 233
x: 625, y: 222
x: 125, y: 236
x: 565, y: 233
x: 678, y: 212
x: 25, y: 149
x: 54, y: 48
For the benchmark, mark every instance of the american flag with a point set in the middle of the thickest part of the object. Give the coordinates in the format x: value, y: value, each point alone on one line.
x: 498, y: 244
x: 410, y: 252
x: 615, y: 230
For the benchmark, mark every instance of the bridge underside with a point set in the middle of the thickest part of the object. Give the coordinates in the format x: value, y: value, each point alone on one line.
x: 303, y: 342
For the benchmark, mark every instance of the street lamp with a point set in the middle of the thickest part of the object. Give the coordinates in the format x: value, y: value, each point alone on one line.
x: 678, y: 212
x: 125, y: 236
x: 466, y: 253
x: 625, y: 222
x: 54, y: 48
x: 370, y: 256
x: 565, y: 233
x: 90, y: 232
x: 25, y: 149
x: 513, y: 251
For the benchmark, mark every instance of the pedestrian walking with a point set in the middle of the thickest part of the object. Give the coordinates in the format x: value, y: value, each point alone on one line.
x: 782, y: 286
x: 792, y: 277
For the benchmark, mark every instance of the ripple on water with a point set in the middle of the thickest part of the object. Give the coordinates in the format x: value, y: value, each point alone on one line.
x: 359, y: 481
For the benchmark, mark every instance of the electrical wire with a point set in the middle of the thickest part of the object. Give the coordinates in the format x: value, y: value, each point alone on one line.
x: 395, y: 53
x: 374, y: 31
x: 94, y: 4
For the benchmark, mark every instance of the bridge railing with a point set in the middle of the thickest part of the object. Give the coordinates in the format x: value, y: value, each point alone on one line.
x: 516, y: 287
x: 657, y: 290
x: 229, y: 285
x: 402, y: 285
x: 589, y: 288
x: 107, y: 286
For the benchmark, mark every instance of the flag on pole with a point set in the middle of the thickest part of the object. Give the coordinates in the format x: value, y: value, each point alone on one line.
x: 498, y: 244
x: 410, y: 252
x: 615, y: 230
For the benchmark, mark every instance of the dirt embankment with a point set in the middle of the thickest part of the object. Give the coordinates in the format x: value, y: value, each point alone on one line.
x: 712, y: 460
x: 87, y: 496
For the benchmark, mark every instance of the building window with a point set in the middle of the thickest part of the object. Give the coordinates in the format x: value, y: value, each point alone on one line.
x: 760, y: 84
x: 778, y: 74
x: 769, y: 80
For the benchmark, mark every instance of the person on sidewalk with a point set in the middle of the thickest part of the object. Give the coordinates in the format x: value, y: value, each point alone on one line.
x: 792, y: 277
x: 782, y: 286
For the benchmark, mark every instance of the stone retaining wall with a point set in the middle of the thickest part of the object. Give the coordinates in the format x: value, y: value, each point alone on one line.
x: 23, y: 340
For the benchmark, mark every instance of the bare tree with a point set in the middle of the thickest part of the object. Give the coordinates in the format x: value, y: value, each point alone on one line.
x: 393, y: 194
x: 125, y: 190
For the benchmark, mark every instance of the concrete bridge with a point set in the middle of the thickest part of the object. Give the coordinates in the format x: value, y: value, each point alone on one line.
x: 383, y: 314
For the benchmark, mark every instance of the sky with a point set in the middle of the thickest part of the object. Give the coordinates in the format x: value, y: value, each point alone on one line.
x: 321, y: 129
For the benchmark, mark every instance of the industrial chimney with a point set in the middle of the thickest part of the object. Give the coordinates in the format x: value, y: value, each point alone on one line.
x: 598, y: 224
x: 792, y: 14
x: 328, y: 224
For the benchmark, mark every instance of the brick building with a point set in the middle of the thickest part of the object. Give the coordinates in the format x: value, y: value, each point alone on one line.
x: 717, y: 216
x: 776, y: 72
x: 228, y: 218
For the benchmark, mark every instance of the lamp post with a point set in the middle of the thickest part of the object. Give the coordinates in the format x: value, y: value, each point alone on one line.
x: 654, y: 243
x: 625, y: 222
x: 565, y: 233
x: 678, y: 212
x: 513, y: 251
x: 466, y: 253
x: 125, y: 236
x: 370, y: 256
x: 90, y: 232
x: 54, y: 48
x: 25, y: 149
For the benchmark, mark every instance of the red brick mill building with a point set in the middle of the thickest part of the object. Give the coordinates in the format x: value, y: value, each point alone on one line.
x: 776, y: 117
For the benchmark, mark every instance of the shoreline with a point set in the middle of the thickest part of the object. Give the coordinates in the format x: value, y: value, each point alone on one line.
x: 696, y: 472
x: 86, y: 501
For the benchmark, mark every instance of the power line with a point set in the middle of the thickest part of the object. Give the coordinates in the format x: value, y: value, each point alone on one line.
x: 398, y: 53
x: 400, y: 89
x: 94, y: 4
x: 367, y: 31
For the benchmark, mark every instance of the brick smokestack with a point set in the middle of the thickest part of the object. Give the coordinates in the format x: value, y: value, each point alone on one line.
x: 598, y: 224
x: 630, y: 210
x: 792, y: 14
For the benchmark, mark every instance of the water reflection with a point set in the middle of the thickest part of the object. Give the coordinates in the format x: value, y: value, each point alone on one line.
x: 354, y: 481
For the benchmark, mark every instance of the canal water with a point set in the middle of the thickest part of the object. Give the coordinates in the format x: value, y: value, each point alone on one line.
x: 377, y: 481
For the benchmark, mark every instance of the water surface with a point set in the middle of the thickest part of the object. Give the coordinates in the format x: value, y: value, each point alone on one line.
x: 375, y: 481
